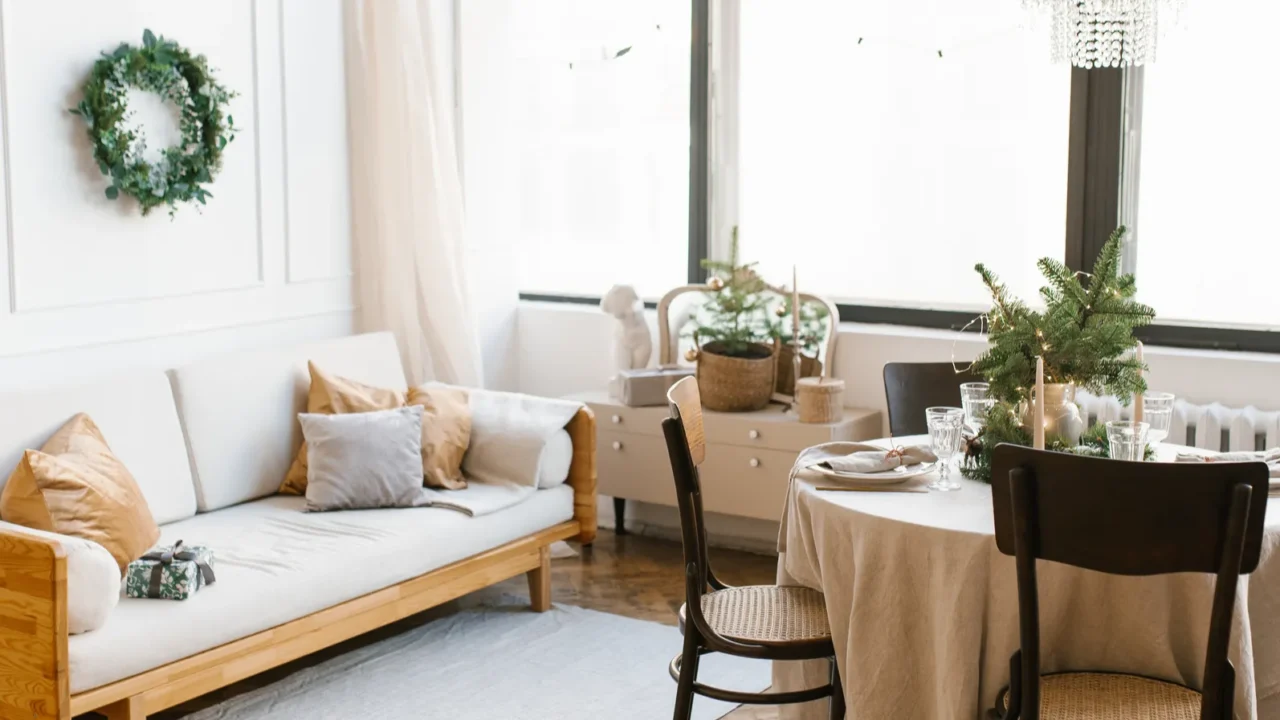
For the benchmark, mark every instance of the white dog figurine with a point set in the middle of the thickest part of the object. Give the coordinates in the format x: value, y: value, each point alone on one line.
x: 632, y: 344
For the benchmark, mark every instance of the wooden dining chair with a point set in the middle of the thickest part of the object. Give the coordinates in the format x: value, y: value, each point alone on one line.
x: 767, y: 622
x: 912, y: 387
x: 1124, y: 518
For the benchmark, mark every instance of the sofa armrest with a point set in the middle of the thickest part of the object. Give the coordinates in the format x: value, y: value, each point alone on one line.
x: 582, y: 472
x: 33, y: 626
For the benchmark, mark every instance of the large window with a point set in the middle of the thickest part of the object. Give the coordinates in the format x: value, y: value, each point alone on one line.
x: 587, y: 121
x: 888, y: 147
x: 1208, y: 245
x: 883, y: 148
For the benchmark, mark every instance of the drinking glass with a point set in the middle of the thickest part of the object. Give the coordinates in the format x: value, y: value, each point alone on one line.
x: 1157, y: 411
x: 946, y: 430
x: 976, y: 399
x: 1128, y: 440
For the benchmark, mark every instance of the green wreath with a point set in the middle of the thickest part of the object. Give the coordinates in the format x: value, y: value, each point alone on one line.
x: 175, y: 74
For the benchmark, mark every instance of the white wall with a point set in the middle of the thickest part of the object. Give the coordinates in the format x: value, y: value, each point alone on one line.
x: 566, y: 348
x: 87, y: 285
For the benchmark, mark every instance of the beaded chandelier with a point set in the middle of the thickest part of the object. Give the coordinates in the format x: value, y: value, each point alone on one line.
x: 1105, y: 33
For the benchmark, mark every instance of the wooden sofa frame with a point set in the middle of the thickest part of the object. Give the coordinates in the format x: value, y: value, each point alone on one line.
x: 34, y: 674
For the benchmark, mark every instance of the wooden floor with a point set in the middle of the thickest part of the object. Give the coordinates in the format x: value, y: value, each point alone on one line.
x: 628, y: 575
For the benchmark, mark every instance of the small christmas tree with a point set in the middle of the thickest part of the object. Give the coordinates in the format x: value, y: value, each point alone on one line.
x: 733, y: 319
x: 1084, y: 334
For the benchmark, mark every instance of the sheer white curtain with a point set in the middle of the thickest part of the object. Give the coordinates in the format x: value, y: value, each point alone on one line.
x: 407, y: 211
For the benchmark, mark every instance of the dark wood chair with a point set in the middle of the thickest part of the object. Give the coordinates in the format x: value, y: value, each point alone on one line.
x: 767, y: 622
x: 912, y: 387
x: 1124, y: 518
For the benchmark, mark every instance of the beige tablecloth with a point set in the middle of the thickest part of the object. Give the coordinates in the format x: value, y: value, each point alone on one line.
x: 924, y: 608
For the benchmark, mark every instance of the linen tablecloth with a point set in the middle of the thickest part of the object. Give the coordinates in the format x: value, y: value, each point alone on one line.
x: 924, y: 608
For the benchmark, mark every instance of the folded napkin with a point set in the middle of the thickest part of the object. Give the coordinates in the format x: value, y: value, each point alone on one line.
x: 1270, y: 457
x: 874, y: 460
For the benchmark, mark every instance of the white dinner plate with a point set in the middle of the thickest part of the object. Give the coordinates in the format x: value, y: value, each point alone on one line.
x: 887, y: 477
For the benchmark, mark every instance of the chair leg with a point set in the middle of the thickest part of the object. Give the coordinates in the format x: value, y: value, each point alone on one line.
x: 688, y: 674
x: 837, y: 693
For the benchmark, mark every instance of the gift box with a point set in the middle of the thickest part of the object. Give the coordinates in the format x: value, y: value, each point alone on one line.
x: 170, y: 573
x: 648, y: 386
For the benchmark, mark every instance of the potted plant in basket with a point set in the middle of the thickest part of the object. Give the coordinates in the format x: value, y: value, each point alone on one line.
x: 735, y: 368
x: 813, y: 331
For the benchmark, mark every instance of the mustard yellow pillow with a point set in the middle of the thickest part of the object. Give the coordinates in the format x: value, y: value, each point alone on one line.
x: 446, y: 434
x: 333, y: 395
x: 75, y: 486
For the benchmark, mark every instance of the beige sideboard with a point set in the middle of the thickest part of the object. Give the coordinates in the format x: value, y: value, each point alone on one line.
x: 749, y: 455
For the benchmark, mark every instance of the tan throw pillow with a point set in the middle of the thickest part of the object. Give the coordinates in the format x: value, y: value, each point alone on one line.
x: 333, y: 395
x: 446, y: 434
x: 75, y: 486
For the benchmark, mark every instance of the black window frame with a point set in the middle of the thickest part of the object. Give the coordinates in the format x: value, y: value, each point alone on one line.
x: 1095, y: 168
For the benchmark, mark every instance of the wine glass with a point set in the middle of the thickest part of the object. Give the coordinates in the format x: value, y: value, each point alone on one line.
x: 976, y: 399
x: 1157, y: 411
x: 946, y: 429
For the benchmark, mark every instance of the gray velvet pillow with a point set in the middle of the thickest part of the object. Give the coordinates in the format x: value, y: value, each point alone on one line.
x: 364, y: 460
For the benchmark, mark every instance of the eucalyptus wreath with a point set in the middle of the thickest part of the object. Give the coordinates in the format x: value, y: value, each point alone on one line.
x: 163, y: 67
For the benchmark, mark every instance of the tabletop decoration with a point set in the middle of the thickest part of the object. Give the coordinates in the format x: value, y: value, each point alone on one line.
x: 176, y: 74
x: 1083, y: 337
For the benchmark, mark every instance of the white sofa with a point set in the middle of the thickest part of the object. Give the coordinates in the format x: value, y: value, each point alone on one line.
x: 209, y: 444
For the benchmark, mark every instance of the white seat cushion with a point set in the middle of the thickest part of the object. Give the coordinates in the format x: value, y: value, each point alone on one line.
x: 240, y: 410
x: 136, y: 414
x: 275, y: 563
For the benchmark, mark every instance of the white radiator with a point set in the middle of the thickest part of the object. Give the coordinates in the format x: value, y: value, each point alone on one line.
x: 1211, y: 427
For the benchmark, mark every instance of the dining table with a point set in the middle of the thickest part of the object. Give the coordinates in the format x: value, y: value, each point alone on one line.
x: 924, y: 608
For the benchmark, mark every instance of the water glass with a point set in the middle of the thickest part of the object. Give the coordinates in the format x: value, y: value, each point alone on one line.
x: 1128, y: 440
x: 1157, y: 411
x: 976, y: 399
x: 946, y: 431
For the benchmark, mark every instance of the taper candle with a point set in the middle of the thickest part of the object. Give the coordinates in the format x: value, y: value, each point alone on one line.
x: 1037, y: 433
x: 795, y: 308
x: 1137, y: 397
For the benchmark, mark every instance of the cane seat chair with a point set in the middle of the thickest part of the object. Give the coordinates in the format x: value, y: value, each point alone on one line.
x: 1124, y: 518
x: 909, y: 388
x: 765, y: 622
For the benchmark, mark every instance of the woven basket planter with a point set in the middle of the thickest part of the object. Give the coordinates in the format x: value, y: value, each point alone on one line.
x: 809, y: 367
x: 736, y: 384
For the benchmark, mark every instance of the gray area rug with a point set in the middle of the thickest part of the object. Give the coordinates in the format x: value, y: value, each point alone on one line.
x: 501, y: 662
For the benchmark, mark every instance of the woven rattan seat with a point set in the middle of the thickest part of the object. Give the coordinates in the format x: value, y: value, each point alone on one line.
x: 1111, y: 696
x: 768, y: 614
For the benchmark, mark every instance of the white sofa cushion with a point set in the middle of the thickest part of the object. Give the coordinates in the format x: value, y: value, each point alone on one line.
x: 557, y: 456
x: 136, y: 414
x: 276, y: 564
x: 93, y: 579
x: 240, y: 410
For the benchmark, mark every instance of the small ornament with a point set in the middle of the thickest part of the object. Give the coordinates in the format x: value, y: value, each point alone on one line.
x: 780, y: 311
x: 715, y: 283
x: 691, y: 354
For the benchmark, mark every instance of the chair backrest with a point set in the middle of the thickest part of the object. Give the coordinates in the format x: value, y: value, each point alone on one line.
x: 909, y: 388
x: 1128, y: 518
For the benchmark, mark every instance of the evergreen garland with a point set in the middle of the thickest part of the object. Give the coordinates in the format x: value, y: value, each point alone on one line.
x: 1084, y: 334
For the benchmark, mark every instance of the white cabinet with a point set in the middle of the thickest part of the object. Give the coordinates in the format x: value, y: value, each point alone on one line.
x: 749, y: 455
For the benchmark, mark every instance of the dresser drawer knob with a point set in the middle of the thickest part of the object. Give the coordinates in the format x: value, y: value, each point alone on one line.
x: 617, y: 444
x: 616, y: 419
x: 754, y: 462
x: 754, y: 434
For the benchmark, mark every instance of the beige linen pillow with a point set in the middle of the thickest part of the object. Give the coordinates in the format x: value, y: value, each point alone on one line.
x: 333, y: 395
x: 75, y: 486
x: 446, y: 433
x: 364, y: 460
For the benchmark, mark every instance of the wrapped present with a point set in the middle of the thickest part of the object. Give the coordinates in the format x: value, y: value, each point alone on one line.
x: 171, y: 573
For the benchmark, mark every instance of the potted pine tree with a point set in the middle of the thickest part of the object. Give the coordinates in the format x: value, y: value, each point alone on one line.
x: 735, y: 368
